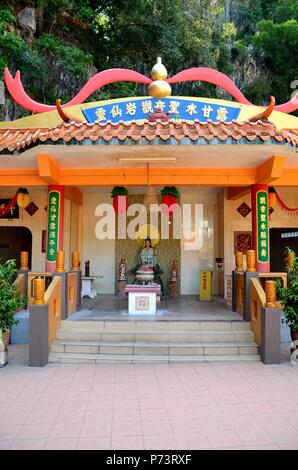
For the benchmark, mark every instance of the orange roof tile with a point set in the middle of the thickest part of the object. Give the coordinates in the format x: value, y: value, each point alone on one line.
x: 12, y: 140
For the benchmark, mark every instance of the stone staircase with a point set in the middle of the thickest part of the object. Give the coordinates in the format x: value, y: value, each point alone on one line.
x: 153, y: 341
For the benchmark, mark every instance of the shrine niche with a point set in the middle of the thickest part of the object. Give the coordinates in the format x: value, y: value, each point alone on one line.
x: 165, y: 250
x: 242, y: 241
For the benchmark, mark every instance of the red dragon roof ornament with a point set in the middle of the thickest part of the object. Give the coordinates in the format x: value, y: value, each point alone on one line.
x: 158, y: 87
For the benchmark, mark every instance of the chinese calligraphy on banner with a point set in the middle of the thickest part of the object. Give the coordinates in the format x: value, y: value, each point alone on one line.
x: 53, y: 225
x: 262, y: 227
x: 185, y: 109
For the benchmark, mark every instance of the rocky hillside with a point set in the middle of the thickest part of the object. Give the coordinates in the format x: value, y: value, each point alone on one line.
x: 58, y: 44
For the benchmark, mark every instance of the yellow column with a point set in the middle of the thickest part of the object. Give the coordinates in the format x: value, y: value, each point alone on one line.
x: 75, y: 261
x: 239, y: 261
x: 270, y: 291
x: 60, y: 259
x: 39, y: 291
x: 251, y: 261
x: 24, y: 260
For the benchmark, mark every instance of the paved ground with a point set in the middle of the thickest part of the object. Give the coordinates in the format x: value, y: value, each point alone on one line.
x: 189, y: 406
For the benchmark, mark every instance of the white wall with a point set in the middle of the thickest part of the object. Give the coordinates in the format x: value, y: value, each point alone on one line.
x: 192, y: 261
x: 101, y: 253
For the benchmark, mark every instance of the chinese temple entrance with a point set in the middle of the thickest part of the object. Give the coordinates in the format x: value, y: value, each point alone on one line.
x: 13, y: 240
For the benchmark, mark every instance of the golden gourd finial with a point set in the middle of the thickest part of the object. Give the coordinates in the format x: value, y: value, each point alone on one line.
x: 159, y: 88
x: 159, y: 72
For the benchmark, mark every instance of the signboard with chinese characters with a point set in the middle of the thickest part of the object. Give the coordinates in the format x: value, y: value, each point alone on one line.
x: 206, y: 279
x: 13, y: 212
x: 179, y: 108
x: 53, y: 225
x: 262, y: 227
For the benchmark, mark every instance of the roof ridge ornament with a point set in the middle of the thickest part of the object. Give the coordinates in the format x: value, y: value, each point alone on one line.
x: 159, y: 88
x: 263, y: 116
x: 65, y: 116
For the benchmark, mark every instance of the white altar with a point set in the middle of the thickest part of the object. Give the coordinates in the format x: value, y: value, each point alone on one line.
x: 142, y: 298
x: 88, y: 287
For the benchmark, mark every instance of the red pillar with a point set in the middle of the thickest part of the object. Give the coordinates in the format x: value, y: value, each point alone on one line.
x: 54, y: 225
x: 260, y: 226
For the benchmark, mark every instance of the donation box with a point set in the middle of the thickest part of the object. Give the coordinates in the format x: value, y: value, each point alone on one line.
x: 206, y: 281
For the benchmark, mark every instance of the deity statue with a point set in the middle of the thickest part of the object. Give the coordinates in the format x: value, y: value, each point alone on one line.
x: 122, y: 270
x: 147, y: 256
x: 174, y: 271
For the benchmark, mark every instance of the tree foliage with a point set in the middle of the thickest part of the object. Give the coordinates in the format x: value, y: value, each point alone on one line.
x: 255, y: 44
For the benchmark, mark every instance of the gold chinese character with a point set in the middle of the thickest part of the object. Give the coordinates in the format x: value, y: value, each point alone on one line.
x: 51, y: 251
x: 51, y: 243
x: 53, y: 209
x: 207, y: 110
x: 221, y: 114
x: 131, y: 109
x: 101, y: 114
x: 52, y: 234
x: 53, y: 217
x: 116, y: 111
x: 262, y: 200
x: 52, y: 226
x: 263, y: 218
x: 263, y: 243
x: 160, y: 104
x: 263, y: 252
x: 263, y: 235
x: 263, y: 226
x: 147, y: 107
x: 53, y: 200
x: 173, y: 108
x: 263, y: 209
x: 191, y: 109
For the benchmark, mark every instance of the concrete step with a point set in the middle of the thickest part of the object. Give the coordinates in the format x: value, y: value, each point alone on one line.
x: 224, y: 336
x: 76, y: 358
x: 141, y: 348
x: 153, y: 325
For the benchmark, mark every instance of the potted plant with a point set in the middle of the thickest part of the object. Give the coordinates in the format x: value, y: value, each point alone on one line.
x: 10, y: 299
x: 116, y: 192
x: 289, y: 296
x: 170, y: 194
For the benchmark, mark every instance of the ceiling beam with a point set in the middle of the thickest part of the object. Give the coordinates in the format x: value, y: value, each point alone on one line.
x: 48, y: 169
x: 271, y: 169
x: 73, y: 194
x: 235, y: 192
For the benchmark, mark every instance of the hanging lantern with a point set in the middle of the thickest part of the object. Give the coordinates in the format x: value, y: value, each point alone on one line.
x: 271, y: 197
x: 117, y: 192
x: 23, y: 198
x: 170, y: 195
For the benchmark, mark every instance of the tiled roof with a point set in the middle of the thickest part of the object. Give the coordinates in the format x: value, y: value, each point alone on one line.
x: 12, y: 140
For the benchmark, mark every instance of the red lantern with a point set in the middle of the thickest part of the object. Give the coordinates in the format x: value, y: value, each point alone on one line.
x: 168, y: 200
x: 120, y: 205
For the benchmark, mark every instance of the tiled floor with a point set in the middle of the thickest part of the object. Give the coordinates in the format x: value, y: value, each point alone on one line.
x: 183, y: 307
x: 172, y: 406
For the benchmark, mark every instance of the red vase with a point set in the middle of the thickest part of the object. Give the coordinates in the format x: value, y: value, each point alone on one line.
x: 294, y: 335
x: 118, y: 208
x: 168, y: 200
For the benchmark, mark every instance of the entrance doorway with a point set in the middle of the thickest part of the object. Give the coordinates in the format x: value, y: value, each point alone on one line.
x: 13, y: 240
x: 280, y: 238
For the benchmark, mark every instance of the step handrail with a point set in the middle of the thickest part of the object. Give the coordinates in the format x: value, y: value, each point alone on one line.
x: 257, y: 302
